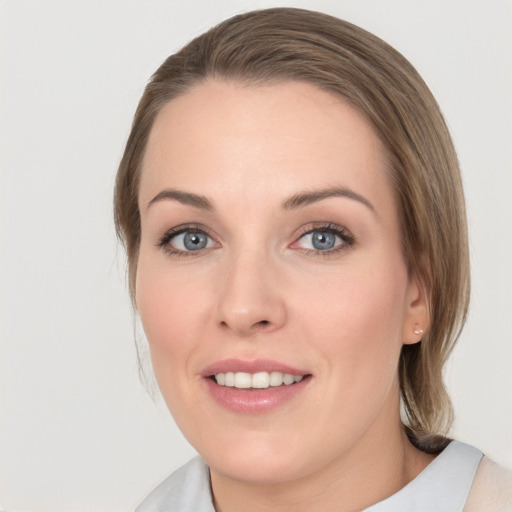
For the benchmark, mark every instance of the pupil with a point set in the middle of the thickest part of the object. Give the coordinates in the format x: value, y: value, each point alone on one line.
x: 194, y: 241
x: 323, y: 240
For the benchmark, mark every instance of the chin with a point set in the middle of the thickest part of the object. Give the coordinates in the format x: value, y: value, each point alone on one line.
x: 257, y: 468
x: 260, y: 457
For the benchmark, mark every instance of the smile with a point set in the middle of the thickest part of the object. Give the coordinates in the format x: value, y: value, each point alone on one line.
x: 254, y: 387
x: 259, y: 380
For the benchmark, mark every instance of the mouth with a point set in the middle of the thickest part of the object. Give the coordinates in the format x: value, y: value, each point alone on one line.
x: 258, y: 380
x: 254, y: 387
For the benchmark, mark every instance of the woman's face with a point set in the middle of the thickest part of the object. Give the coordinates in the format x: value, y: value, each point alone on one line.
x: 271, y: 254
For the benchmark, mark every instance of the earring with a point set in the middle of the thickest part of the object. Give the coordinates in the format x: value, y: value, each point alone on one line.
x: 418, y: 330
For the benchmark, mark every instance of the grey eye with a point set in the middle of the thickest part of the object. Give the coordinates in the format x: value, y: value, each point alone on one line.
x: 320, y: 240
x: 195, y: 241
x: 191, y: 241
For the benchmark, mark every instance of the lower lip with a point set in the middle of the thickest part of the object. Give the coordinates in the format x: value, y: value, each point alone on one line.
x: 253, y: 401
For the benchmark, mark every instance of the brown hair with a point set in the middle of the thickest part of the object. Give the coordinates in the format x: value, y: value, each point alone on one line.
x: 281, y: 44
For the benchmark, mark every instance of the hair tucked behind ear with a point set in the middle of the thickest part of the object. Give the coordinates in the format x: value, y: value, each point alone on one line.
x: 281, y: 44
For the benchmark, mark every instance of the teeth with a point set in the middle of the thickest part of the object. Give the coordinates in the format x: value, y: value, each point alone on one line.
x: 276, y: 379
x: 229, y: 379
x: 288, y: 379
x: 260, y: 380
x: 243, y: 380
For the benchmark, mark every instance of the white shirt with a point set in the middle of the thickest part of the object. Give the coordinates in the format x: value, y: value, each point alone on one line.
x: 443, y: 486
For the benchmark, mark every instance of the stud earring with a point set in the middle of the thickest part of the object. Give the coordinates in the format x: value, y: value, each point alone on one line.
x: 418, y: 330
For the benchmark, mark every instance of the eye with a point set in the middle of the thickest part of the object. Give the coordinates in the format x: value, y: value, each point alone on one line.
x: 190, y: 241
x: 184, y: 241
x: 325, y: 239
x: 320, y: 240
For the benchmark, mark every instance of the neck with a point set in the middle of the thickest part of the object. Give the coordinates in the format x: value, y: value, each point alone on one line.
x: 377, y: 466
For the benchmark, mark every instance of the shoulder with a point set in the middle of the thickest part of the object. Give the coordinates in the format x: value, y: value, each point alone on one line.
x: 491, y: 490
x: 185, y: 490
x: 443, y: 486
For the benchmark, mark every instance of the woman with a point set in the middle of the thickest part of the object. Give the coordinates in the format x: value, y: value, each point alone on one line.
x: 293, y: 215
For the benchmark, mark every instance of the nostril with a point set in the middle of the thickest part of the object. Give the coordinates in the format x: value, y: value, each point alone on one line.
x: 262, y: 323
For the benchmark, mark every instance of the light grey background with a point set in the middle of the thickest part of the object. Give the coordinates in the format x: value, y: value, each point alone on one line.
x: 77, y: 430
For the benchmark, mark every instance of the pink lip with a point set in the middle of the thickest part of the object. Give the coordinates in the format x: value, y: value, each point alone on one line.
x: 257, y: 365
x: 253, y: 401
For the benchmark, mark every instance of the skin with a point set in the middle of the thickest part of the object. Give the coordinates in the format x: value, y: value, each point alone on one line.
x: 261, y: 290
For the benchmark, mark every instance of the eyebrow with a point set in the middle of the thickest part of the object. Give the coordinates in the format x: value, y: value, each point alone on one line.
x: 308, y: 197
x: 296, y: 201
x: 187, y: 198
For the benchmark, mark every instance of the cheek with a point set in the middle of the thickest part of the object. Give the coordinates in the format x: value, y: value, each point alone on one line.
x: 169, y: 309
x: 363, y: 303
x: 356, y: 321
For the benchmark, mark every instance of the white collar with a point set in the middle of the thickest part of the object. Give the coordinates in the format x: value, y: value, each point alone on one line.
x: 443, y: 486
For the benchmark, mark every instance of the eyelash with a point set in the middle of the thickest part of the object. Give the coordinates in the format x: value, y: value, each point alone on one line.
x: 348, y: 239
x: 164, y: 242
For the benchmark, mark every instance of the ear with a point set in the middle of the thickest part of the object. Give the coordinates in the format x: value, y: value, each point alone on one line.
x: 416, y: 314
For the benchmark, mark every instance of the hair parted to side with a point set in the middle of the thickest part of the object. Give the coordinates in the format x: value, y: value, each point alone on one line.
x: 279, y: 44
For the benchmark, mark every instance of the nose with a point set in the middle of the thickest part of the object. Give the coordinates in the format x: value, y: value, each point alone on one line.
x: 250, y: 297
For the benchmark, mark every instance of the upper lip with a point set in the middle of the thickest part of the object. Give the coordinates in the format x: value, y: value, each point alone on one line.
x: 253, y: 366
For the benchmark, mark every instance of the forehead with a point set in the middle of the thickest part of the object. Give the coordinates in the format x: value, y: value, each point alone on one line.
x: 261, y: 143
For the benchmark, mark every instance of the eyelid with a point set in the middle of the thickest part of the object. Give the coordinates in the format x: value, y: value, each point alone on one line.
x: 348, y: 239
x: 165, y: 239
x: 346, y: 236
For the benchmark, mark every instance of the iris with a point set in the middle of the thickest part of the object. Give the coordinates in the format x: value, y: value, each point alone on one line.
x: 195, y: 241
x: 322, y: 240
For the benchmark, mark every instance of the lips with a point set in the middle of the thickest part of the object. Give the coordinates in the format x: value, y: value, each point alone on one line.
x: 254, y: 386
x: 254, y: 366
